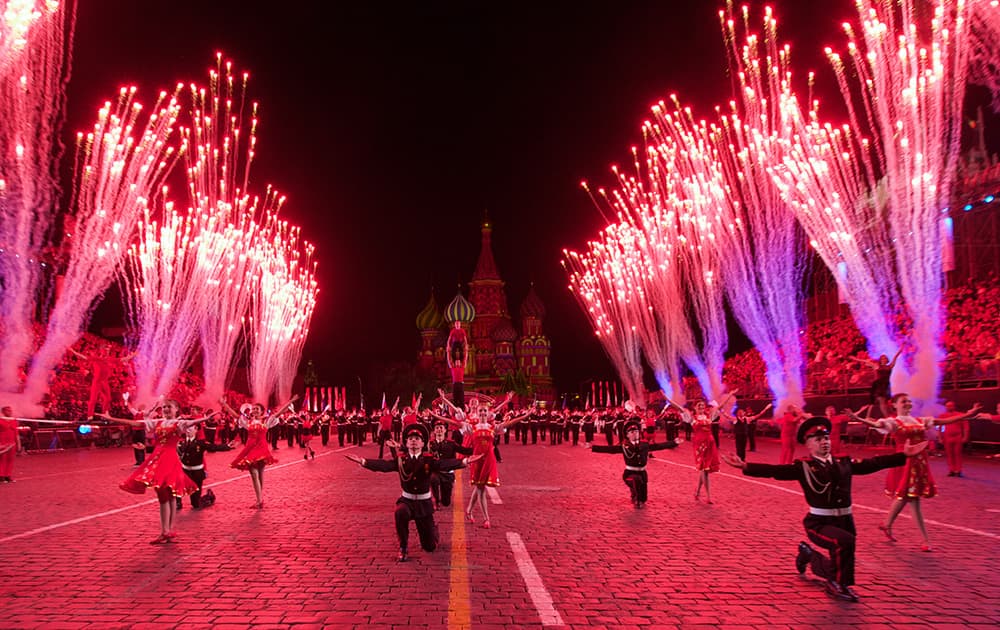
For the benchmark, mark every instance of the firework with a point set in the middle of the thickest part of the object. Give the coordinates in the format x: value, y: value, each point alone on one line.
x: 764, y: 263
x: 984, y: 50
x: 281, y: 310
x: 220, y: 152
x: 35, y: 41
x: 120, y: 165
x: 870, y: 194
x: 598, y: 283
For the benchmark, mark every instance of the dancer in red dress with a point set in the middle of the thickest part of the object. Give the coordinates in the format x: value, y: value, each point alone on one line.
x: 306, y: 436
x: 162, y: 470
x: 789, y: 424
x: 914, y: 481
x: 255, y: 454
x: 484, y: 472
x: 8, y: 444
x: 706, y: 453
x: 101, y: 369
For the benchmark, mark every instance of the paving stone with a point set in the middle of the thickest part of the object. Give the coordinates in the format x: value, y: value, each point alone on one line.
x: 322, y: 553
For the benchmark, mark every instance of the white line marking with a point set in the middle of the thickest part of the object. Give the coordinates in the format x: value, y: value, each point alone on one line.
x: 857, y: 505
x: 494, y: 495
x: 536, y: 589
x: 91, y: 517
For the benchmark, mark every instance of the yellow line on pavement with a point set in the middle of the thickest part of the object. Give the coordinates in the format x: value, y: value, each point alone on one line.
x: 458, y: 586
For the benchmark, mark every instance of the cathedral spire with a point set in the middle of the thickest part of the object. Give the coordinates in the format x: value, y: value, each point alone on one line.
x: 486, y: 267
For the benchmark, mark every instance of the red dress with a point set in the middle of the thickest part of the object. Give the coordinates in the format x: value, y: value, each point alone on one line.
x: 706, y: 454
x: 255, y: 450
x: 307, y: 432
x: 162, y: 469
x: 484, y: 472
x: 913, y: 479
x: 8, y: 446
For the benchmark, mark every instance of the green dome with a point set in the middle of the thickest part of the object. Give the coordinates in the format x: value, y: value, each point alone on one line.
x: 430, y: 318
x: 460, y: 310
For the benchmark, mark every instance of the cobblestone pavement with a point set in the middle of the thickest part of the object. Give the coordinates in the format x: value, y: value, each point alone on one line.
x: 566, y: 549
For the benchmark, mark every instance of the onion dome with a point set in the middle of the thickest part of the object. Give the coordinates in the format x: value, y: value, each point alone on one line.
x: 460, y: 310
x: 504, y: 331
x: 532, y: 305
x: 430, y: 318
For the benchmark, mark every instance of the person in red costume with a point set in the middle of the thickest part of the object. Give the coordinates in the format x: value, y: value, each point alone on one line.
x: 789, y: 425
x: 706, y: 453
x: 955, y: 437
x: 458, y: 356
x: 484, y: 471
x: 9, y: 444
x: 914, y: 481
x: 101, y: 369
x: 162, y: 471
x: 255, y: 454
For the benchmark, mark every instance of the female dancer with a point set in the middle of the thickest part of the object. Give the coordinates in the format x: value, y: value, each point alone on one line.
x: 9, y: 443
x: 162, y: 470
x: 706, y: 453
x: 306, y: 435
x: 255, y: 454
x: 880, y: 386
x: 914, y: 481
x: 484, y: 472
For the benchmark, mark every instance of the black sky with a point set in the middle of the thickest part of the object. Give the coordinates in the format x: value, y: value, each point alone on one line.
x: 392, y: 127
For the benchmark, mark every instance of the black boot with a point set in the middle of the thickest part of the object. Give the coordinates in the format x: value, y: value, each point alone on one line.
x: 803, y: 557
x: 402, y: 557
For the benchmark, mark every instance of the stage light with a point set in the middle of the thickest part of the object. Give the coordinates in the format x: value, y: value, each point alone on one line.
x: 84, y: 429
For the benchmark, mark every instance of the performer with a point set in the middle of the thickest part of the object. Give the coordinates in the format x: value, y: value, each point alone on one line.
x: 10, y: 444
x: 485, y: 472
x: 442, y: 448
x: 914, y: 482
x: 255, y: 454
x: 192, y: 451
x: 741, y: 427
x: 636, y: 454
x: 458, y: 357
x: 789, y: 424
x: 956, y: 436
x: 101, y: 369
x: 415, y: 469
x: 880, y: 394
x: 826, y: 484
x: 162, y: 470
x: 306, y: 435
x: 706, y: 454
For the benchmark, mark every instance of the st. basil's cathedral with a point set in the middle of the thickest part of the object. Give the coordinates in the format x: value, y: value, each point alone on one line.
x: 496, y: 350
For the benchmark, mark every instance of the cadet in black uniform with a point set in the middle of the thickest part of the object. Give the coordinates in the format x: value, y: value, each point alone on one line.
x: 192, y: 453
x: 636, y: 454
x: 826, y: 484
x: 415, y: 469
x: 443, y: 482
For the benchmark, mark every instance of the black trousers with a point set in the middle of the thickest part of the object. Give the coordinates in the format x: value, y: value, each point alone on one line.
x: 458, y: 394
x: 609, y: 434
x: 442, y: 486
x: 751, y: 436
x: 575, y: 432
x: 637, y: 482
x: 324, y: 434
x: 837, y: 535
x: 197, y: 476
x: 139, y: 451
x: 341, y: 432
x: 715, y: 433
x: 741, y: 445
x: 534, y: 433
x: 421, y: 512
x: 383, y: 435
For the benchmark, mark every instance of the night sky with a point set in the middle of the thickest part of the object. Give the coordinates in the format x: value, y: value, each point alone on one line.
x: 392, y: 127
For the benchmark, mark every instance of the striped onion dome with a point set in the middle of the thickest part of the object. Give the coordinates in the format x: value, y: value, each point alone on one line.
x: 430, y: 318
x: 460, y: 310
